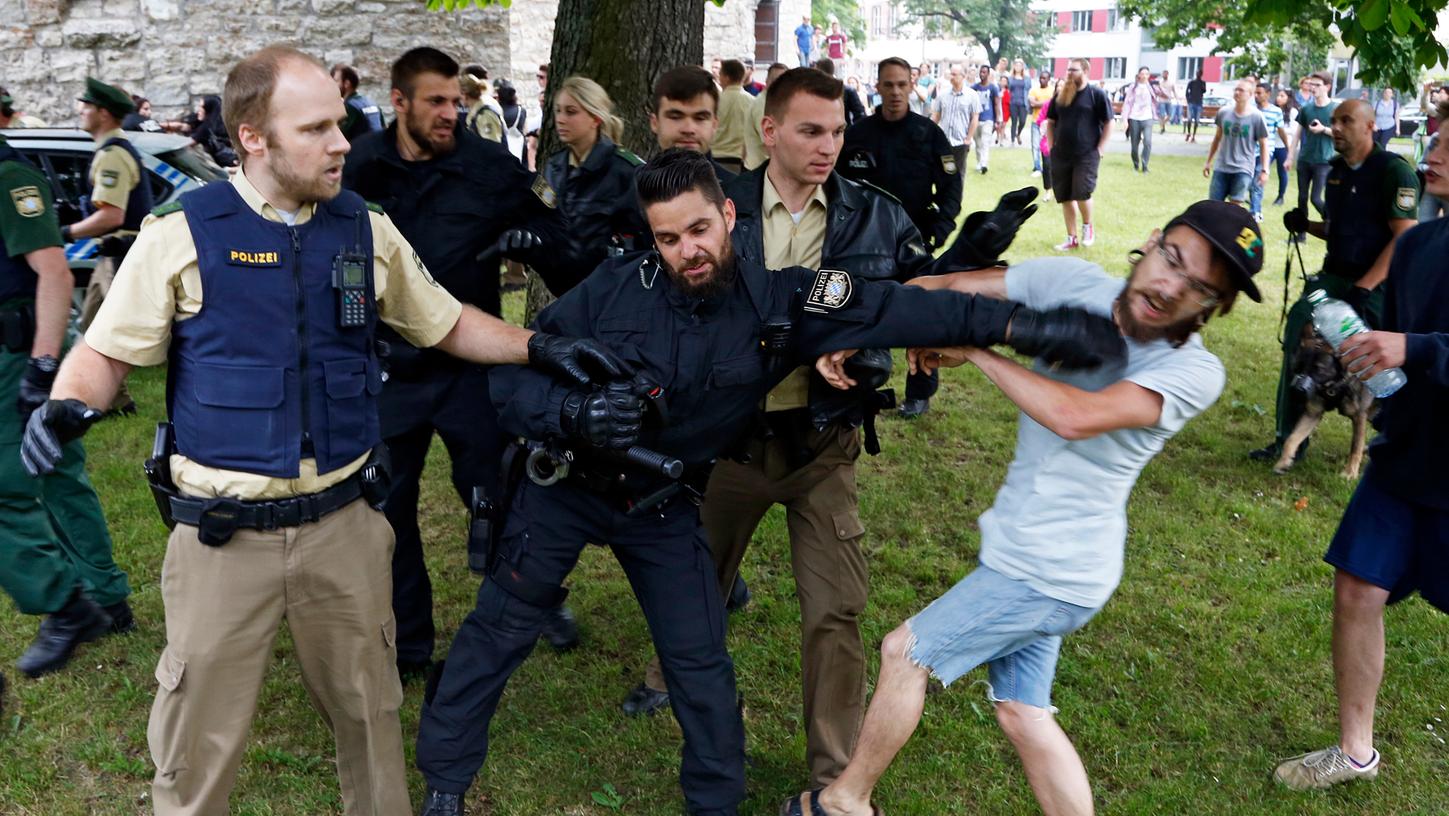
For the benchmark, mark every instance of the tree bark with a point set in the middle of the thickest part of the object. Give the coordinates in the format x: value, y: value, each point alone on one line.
x: 624, y: 46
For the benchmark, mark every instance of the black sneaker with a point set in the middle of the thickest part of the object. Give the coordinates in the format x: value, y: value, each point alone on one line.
x: 644, y: 701
x: 912, y: 408
x: 560, y: 629
x: 123, y: 622
x: 79, y: 621
x: 437, y: 803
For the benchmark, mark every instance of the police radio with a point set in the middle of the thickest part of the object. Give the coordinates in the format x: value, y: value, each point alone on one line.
x: 349, y: 281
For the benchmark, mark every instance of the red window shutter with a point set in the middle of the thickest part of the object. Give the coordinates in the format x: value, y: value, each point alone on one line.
x: 1099, y: 68
x: 1212, y: 69
x: 1064, y: 20
x: 1099, y: 20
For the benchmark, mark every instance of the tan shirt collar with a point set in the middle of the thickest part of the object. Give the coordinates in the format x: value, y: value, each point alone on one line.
x: 260, y: 205
x: 110, y: 134
x: 772, y: 198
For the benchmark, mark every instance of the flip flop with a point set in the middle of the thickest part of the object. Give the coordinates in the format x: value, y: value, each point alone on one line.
x: 794, y: 807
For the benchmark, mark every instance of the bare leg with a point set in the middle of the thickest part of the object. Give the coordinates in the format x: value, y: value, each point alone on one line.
x: 1051, y: 763
x: 1358, y: 659
x: 894, y: 713
x: 1069, y: 212
x: 1086, y: 208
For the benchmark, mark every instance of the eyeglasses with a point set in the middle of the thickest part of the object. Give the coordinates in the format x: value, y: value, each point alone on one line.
x: 1202, y: 294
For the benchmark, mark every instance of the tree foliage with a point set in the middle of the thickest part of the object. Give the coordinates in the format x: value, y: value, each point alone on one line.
x: 1005, y: 28
x: 1393, y: 39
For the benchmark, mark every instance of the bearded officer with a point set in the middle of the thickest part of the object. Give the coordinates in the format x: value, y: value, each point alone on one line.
x: 272, y: 395
x: 55, y: 553
x: 119, y: 199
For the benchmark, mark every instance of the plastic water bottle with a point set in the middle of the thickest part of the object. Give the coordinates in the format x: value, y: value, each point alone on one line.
x: 1337, y: 321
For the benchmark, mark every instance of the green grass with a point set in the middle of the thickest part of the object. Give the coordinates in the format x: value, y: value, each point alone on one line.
x: 1211, y: 662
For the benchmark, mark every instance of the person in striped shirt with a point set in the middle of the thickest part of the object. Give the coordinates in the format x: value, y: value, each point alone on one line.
x: 1277, y: 138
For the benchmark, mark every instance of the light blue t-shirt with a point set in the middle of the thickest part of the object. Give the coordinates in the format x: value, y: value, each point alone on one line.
x: 1272, y: 119
x: 1059, y: 522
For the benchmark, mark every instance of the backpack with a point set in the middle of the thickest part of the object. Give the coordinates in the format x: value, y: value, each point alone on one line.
x: 513, y: 133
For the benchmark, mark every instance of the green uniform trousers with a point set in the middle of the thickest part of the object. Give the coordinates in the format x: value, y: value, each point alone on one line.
x: 831, y: 581
x: 1290, y: 402
x: 55, y: 534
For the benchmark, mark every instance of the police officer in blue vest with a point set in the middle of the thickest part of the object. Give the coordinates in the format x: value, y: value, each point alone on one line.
x: 263, y: 296
x: 363, y: 114
x: 55, y: 552
x: 120, y: 197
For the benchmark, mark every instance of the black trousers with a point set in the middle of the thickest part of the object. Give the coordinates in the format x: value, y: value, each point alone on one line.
x: 454, y: 403
x: 668, y: 564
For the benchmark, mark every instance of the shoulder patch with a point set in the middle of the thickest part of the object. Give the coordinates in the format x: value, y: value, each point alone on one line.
x: 628, y: 155
x: 166, y: 209
x: 544, y: 191
x: 28, y: 201
x: 1407, y: 198
x: 377, y: 208
x: 110, y: 178
x: 948, y: 163
x: 829, y: 292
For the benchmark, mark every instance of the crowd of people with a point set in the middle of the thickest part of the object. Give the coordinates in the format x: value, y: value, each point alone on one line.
x: 699, y: 367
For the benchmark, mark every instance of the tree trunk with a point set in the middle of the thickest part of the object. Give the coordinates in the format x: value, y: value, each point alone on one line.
x: 624, y: 46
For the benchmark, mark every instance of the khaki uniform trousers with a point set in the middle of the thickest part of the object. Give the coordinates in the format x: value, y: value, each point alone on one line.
x: 97, y: 288
x: 823, y: 516
x: 332, y: 582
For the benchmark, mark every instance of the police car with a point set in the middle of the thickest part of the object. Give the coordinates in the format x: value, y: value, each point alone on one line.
x: 174, y: 165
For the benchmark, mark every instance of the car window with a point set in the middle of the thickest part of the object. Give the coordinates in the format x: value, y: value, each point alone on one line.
x: 72, y: 172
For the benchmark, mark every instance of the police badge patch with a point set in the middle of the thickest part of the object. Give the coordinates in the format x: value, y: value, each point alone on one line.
x: 109, y: 178
x: 27, y: 201
x: 1407, y: 198
x: 948, y: 163
x: 545, y: 192
x: 830, y: 291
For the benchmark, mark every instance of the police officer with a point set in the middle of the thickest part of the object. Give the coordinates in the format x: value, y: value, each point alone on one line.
x: 1372, y: 198
x: 686, y: 113
x: 592, y: 174
x: 120, y: 197
x: 55, y: 553
x: 455, y: 197
x: 363, y: 115
x: 262, y: 296
x: 907, y: 155
x: 691, y: 317
x: 803, y: 454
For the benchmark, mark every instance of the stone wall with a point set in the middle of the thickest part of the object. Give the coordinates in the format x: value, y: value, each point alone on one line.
x: 174, y: 51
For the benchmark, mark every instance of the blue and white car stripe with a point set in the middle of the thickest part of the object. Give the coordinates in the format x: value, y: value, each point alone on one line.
x: 84, y: 249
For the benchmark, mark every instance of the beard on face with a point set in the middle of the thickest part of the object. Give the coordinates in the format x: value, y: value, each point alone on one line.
x: 1175, y: 333
x: 436, y: 144
x: 721, y: 277
x: 300, y: 187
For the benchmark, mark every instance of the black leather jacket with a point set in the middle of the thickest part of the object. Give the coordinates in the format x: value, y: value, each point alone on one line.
x: 867, y: 233
x: 599, y: 201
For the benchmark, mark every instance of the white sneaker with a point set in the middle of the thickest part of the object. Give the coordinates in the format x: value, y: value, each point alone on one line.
x: 1323, y: 769
x: 1258, y: 217
x: 1068, y: 245
x: 1036, y: 173
x: 1089, y: 235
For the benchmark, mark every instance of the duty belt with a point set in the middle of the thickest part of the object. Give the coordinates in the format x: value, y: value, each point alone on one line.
x: 218, y: 518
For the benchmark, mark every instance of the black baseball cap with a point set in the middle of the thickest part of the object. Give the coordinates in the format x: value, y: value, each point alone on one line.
x: 1234, y: 234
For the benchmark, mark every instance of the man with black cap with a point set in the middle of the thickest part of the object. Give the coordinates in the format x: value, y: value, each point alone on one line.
x: 1052, y: 544
x: 119, y: 199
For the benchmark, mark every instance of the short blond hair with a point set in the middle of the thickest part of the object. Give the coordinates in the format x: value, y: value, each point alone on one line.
x: 247, y: 95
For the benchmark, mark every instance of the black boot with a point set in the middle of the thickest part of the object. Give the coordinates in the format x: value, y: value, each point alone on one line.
x: 912, y: 408
x: 122, y: 620
x: 560, y: 629
x: 437, y: 803
x: 739, y: 595
x: 79, y: 621
x: 644, y: 700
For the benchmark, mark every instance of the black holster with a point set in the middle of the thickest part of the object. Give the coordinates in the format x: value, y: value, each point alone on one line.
x: 488, y: 508
x: 17, y: 328
x: 376, y: 476
x: 158, y: 472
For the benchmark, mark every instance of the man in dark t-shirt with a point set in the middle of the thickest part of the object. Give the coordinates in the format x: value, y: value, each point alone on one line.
x: 1196, y: 90
x: 1079, y: 123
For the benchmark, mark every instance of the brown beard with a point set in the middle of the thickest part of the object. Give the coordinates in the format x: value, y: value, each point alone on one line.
x: 424, y: 138
x: 1068, y: 91
x: 722, y: 279
x: 294, y: 184
x: 1174, y: 333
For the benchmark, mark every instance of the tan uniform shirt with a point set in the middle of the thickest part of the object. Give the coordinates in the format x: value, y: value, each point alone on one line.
x: 734, y: 123
x: 791, y: 243
x: 159, y: 283
x: 755, y: 154
x: 114, y: 174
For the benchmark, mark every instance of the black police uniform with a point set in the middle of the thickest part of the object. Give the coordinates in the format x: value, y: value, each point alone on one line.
x: 1360, y: 202
x: 707, y: 356
x: 598, y: 198
x: 911, y: 159
x: 450, y: 209
x: 363, y: 117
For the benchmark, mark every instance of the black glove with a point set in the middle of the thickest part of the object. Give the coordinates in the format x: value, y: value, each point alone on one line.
x: 50, y: 426
x: 575, y: 359
x: 35, y: 383
x: 603, y: 419
x: 985, y: 236
x: 1358, y: 297
x: 1066, y: 336
x: 1295, y: 220
x: 518, y: 242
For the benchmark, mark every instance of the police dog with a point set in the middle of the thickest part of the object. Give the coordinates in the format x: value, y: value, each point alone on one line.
x: 1326, y: 385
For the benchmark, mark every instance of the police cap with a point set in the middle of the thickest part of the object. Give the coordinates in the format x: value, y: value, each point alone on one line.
x: 107, y: 97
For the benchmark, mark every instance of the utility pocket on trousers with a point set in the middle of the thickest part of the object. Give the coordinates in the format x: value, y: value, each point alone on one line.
x: 167, y: 731
x: 389, y: 684
x: 848, y: 525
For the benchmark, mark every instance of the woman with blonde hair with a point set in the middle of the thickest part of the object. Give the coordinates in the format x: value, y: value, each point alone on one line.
x: 592, y: 176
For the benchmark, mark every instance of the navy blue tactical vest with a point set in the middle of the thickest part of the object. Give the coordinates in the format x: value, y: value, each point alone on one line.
x: 17, y: 279
x: 139, y: 204
x: 264, y: 375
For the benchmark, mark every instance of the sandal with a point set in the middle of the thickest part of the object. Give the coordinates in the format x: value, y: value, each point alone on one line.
x: 795, y: 807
